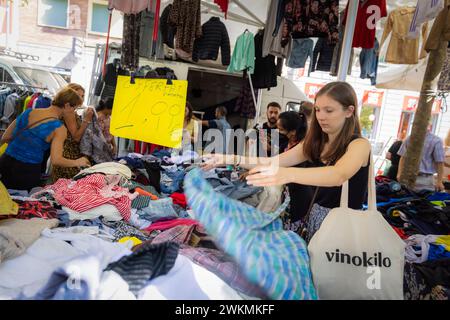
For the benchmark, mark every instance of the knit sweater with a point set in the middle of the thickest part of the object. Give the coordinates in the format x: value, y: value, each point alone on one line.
x: 214, y: 36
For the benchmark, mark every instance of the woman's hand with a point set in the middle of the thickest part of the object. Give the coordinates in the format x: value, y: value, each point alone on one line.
x: 82, y: 162
x: 265, y: 176
x: 213, y: 161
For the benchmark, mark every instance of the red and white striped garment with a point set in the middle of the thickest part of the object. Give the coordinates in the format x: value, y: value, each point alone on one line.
x: 91, y: 192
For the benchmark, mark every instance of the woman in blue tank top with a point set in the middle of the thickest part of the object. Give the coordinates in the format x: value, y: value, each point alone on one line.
x: 33, y: 133
x: 332, y: 152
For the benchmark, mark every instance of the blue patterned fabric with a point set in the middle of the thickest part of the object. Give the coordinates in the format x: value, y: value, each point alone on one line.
x: 275, y: 259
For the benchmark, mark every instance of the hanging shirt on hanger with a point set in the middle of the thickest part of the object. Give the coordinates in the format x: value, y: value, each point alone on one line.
x: 302, y: 49
x: 322, y: 55
x: 426, y: 10
x: 243, y: 54
x: 214, y: 36
x: 167, y: 30
x: 402, y: 50
x: 364, y: 36
x: 310, y: 19
x: 185, y: 16
x: 265, y: 75
x: 272, y: 44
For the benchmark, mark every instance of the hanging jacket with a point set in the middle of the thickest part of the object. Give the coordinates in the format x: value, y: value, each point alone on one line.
x: 402, y: 50
x: 167, y: 30
x: 243, y: 54
x: 185, y: 16
x: 265, y: 75
x: 322, y: 55
x: 214, y: 36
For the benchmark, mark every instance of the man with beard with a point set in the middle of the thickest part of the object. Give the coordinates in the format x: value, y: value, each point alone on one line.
x: 265, y: 135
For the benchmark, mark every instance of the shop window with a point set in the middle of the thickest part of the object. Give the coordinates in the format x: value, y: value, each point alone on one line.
x: 369, y: 118
x: 99, y: 17
x: 53, y: 13
x: 406, y: 123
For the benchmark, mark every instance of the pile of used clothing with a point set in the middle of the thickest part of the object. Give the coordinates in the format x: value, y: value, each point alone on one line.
x: 422, y: 220
x: 126, y: 230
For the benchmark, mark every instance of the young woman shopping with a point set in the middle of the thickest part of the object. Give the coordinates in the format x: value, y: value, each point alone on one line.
x: 76, y: 126
x: 332, y: 152
x: 293, y: 125
x: 30, y: 135
x: 104, y: 111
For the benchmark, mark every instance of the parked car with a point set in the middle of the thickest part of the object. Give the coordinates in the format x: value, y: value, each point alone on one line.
x: 16, y: 71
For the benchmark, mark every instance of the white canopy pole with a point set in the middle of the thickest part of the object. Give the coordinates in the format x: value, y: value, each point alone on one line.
x: 348, y: 39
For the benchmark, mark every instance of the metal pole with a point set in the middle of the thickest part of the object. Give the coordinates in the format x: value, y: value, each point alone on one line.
x: 7, y: 23
x: 156, y: 28
x: 352, y: 12
x: 247, y: 11
x: 251, y: 88
x: 105, y: 59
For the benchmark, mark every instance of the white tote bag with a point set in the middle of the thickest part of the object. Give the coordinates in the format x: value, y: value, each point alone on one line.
x: 356, y: 254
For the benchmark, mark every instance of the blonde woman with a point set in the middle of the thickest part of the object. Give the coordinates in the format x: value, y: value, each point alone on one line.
x: 75, y: 130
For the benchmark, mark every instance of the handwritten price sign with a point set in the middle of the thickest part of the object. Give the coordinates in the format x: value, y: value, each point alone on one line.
x: 149, y: 110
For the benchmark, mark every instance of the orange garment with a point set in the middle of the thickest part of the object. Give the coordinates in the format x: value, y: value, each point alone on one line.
x: 146, y: 193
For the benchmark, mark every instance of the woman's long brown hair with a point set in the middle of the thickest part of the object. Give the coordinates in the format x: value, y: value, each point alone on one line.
x: 316, y: 139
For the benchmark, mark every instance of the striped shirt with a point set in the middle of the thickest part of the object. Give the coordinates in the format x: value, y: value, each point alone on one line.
x: 90, y: 192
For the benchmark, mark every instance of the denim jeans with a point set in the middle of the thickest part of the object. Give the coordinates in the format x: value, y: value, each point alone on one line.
x: 158, y: 209
x: 233, y: 189
x: 171, y: 181
x: 368, y: 59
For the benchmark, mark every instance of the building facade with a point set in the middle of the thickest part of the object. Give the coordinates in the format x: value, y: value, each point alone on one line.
x: 63, y: 34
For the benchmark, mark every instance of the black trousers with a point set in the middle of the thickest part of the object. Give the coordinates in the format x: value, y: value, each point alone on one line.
x: 19, y: 175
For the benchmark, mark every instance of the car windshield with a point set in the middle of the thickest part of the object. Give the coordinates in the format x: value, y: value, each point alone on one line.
x: 39, y: 78
x: 59, y: 79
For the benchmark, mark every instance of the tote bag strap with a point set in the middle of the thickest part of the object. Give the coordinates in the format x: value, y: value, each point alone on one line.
x: 371, y: 200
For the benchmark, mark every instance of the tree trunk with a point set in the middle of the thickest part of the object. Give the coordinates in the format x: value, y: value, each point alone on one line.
x: 423, y: 113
